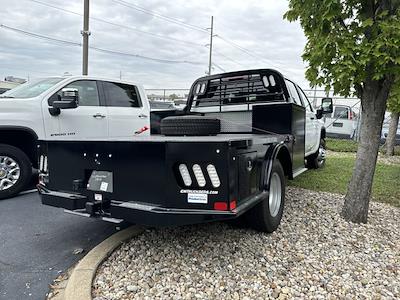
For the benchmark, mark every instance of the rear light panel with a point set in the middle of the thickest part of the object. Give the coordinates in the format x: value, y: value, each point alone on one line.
x: 200, y: 176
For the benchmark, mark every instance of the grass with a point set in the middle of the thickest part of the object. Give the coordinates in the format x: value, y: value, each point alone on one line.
x: 336, y: 174
x: 339, y: 145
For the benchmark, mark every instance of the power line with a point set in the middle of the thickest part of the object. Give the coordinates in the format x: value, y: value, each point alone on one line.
x: 160, y: 16
x: 219, y: 67
x: 71, y: 43
x: 145, y: 57
x: 228, y: 58
x: 43, y: 37
x: 254, y: 55
x: 248, y: 52
x: 160, y: 36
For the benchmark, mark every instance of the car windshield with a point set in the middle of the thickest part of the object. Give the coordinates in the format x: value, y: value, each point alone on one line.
x: 32, y: 88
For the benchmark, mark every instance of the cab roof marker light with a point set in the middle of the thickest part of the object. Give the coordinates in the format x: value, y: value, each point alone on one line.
x: 203, y: 88
x: 183, y: 170
x: 212, y: 173
x: 265, y: 81
x: 198, y: 87
x: 198, y: 173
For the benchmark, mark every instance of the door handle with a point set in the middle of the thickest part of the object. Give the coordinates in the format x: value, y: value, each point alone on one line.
x: 142, y: 116
x: 99, y: 116
x: 312, y: 118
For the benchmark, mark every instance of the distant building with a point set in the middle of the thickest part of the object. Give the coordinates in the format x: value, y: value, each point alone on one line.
x: 14, y: 79
x: 8, y: 84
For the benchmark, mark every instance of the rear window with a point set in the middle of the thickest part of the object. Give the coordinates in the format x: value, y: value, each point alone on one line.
x: 341, y: 113
x: 121, y: 95
x: 243, y: 89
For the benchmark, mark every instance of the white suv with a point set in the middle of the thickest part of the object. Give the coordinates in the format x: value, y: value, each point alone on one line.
x: 106, y: 109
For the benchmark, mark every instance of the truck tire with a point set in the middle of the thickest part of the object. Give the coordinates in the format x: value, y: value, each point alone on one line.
x: 266, y: 215
x: 317, y: 160
x: 190, y: 125
x: 15, y: 171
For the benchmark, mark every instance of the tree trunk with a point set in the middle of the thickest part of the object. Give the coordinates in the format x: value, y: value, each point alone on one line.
x: 391, y: 137
x: 373, y: 104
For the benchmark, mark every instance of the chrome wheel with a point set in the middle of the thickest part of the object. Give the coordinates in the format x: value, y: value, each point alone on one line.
x: 9, y: 172
x: 275, y: 194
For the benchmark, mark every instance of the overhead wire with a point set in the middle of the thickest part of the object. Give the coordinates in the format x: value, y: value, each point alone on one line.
x: 160, y: 16
x: 160, y: 36
x: 72, y: 43
x: 171, y: 20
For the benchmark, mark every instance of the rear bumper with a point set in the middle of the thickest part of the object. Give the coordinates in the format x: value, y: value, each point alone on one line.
x: 145, y: 213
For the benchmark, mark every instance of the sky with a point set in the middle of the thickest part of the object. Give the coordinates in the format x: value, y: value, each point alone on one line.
x: 248, y: 35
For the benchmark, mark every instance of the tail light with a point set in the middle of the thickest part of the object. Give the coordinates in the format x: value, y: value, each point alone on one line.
x: 183, y: 170
x: 212, y: 173
x: 198, y: 173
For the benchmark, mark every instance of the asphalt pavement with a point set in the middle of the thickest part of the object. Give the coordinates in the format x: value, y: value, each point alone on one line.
x: 37, y: 244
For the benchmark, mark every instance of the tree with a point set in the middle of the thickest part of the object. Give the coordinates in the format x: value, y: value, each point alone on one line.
x: 353, y: 46
x: 394, y: 107
x: 173, y: 97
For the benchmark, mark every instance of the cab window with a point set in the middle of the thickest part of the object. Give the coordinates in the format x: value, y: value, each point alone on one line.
x: 121, y: 95
x: 305, y: 100
x: 294, y: 95
x: 87, y: 91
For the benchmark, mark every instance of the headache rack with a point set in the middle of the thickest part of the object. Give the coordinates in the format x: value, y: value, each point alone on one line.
x: 244, y: 87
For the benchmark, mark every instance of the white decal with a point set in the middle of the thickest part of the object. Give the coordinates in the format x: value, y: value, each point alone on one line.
x: 197, y: 198
x: 104, y: 186
x: 98, y: 197
x: 199, y: 192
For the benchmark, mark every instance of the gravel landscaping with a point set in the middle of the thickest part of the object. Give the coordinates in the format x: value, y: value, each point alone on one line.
x: 314, y: 254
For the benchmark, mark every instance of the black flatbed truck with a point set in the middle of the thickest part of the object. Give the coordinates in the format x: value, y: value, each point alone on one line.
x: 192, y: 168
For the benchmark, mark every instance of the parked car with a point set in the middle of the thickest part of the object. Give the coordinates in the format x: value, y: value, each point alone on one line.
x: 158, y: 105
x: 341, y: 123
x: 225, y: 156
x: 105, y: 108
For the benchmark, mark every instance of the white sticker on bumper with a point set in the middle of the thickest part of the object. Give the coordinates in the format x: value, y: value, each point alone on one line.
x: 197, y: 198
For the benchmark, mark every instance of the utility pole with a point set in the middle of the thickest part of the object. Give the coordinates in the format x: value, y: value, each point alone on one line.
x: 85, y: 34
x: 211, y: 45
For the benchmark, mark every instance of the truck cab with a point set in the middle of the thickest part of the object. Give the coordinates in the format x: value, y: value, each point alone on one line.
x: 105, y: 108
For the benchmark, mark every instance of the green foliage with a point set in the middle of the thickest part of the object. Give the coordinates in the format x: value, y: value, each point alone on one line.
x: 349, y: 41
x: 337, y: 173
x: 173, y: 96
x: 394, y: 98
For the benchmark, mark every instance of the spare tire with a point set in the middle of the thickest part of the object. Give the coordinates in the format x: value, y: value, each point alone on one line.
x: 190, y: 125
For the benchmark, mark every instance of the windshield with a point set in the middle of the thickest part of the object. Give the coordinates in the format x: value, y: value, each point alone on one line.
x: 32, y: 88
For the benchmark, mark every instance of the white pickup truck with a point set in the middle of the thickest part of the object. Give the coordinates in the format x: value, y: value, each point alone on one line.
x: 107, y: 108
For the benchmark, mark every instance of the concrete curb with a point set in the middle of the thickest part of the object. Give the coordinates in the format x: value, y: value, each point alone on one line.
x: 79, y: 285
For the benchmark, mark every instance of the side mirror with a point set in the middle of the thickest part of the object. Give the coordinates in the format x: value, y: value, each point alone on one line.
x: 69, y: 99
x: 327, y: 106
